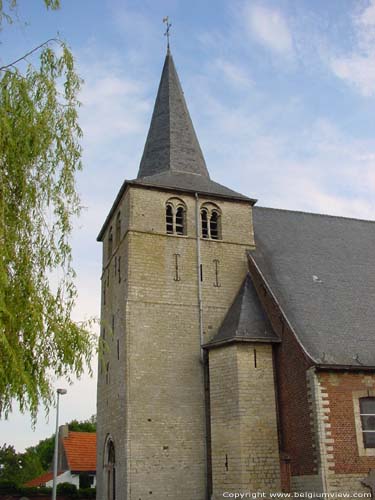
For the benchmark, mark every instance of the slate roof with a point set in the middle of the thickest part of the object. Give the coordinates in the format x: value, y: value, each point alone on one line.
x: 321, y: 270
x: 172, y: 157
x: 171, y: 144
x: 245, y: 320
x: 80, y: 451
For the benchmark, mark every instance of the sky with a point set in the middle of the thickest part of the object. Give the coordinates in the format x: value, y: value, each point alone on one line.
x: 281, y: 94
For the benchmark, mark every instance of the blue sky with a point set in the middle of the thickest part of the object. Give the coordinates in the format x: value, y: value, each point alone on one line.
x: 281, y: 93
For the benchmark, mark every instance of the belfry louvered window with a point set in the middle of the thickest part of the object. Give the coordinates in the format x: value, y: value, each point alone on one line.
x: 175, y: 217
x: 367, y: 409
x: 204, y: 217
x: 169, y: 219
x: 210, y: 222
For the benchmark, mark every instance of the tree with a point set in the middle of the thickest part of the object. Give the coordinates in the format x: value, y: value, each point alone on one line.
x: 18, y: 468
x: 40, y: 155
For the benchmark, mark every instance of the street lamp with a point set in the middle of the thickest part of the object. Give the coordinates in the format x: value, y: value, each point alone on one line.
x: 55, y: 457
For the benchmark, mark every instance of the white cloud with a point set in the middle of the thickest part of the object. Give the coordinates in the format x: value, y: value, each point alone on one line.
x: 233, y: 73
x: 358, y: 67
x: 269, y: 27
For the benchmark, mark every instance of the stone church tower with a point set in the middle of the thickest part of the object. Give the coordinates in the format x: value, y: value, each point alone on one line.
x: 187, y: 371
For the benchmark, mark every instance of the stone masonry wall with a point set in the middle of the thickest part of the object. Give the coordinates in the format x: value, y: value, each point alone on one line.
x: 243, y: 420
x: 153, y: 404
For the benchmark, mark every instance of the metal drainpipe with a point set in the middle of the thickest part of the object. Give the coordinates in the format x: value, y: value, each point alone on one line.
x: 200, y: 304
x: 200, y: 313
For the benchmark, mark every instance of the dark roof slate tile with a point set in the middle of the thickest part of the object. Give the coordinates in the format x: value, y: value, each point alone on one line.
x: 321, y: 270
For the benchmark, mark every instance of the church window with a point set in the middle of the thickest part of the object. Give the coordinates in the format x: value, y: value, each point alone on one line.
x: 180, y: 223
x: 118, y: 349
x: 118, y: 228
x: 110, y: 243
x: 215, y: 225
x: 204, y: 217
x: 175, y: 217
x: 210, y: 222
x: 169, y: 219
x: 367, y: 413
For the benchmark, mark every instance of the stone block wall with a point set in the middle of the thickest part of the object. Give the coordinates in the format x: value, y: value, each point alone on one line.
x: 245, y: 452
x: 153, y: 404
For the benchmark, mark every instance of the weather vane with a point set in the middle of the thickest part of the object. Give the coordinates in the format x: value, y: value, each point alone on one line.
x: 168, y: 25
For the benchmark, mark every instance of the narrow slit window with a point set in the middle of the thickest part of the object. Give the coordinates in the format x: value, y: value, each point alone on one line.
x: 204, y: 218
x: 367, y: 411
x: 118, y: 228
x: 110, y: 243
x: 177, y: 267
x: 118, y: 349
x: 107, y: 373
x: 180, y: 221
x: 169, y: 219
x: 119, y: 268
x: 217, y: 282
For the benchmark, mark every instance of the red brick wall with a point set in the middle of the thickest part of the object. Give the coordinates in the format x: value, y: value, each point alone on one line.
x: 291, y: 364
x: 340, y: 387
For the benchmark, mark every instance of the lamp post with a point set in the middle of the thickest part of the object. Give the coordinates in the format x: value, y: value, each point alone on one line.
x: 55, y: 456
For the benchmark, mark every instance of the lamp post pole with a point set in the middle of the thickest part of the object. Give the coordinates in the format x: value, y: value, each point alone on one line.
x: 55, y: 456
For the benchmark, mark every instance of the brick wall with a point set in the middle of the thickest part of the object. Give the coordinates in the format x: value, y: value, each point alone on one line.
x: 349, y: 461
x: 296, y: 433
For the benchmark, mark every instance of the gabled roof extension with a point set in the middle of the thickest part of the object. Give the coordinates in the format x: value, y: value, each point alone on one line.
x: 245, y: 320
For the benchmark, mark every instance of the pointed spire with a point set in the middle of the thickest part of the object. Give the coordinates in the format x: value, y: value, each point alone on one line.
x: 171, y: 145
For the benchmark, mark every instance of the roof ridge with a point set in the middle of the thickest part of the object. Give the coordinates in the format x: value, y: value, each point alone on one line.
x: 316, y: 214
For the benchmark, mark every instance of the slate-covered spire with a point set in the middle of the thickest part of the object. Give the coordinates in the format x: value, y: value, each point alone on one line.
x: 171, y: 145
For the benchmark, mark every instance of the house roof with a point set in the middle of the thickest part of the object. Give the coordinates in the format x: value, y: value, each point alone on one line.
x: 41, y: 480
x: 321, y: 270
x: 245, y: 321
x: 80, y: 451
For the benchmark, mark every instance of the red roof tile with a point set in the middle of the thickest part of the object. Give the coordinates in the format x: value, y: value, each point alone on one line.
x: 80, y: 449
x: 41, y: 480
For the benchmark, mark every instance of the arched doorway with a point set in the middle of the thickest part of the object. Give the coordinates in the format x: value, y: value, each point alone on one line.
x: 110, y: 469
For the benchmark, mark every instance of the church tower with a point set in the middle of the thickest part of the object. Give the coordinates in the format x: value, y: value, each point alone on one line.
x: 174, y: 259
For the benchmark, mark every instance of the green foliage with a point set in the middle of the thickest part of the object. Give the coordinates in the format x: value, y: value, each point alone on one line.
x: 88, y: 425
x: 67, y: 489
x: 40, y: 155
x: 18, y: 468
x: 9, y: 7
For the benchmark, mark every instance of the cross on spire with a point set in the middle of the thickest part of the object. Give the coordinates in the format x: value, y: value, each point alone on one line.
x: 168, y: 26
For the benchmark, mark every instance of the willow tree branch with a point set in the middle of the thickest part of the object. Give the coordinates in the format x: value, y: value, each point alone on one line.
x: 23, y: 58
